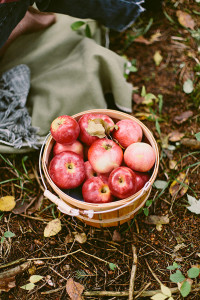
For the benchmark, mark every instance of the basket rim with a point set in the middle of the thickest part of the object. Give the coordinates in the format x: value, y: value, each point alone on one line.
x: 118, y: 203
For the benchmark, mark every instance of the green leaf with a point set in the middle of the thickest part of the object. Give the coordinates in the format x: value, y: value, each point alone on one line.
x: 177, y: 277
x: 133, y: 69
x: 76, y: 25
x: 143, y: 92
x: 158, y: 126
x: 193, y: 272
x: 171, y: 268
x: 146, y: 211
x: 112, y: 266
x: 176, y: 265
x: 88, y: 31
x: 160, y: 184
x: 2, y: 239
x: 35, y: 278
x: 160, y: 105
x: 159, y: 296
x: 188, y: 86
x: 197, y: 135
x: 9, y: 234
x: 149, y: 202
x: 28, y: 286
x: 165, y: 290
x: 185, y: 288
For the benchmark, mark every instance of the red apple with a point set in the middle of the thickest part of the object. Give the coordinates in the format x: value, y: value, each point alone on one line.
x: 90, y: 172
x: 141, y: 179
x: 76, y: 147
x: 65, y: 129
x: 96, y: 190
x: 122, y: 182
x: 67, y: 170
x: 105, y: 155
x: 139, y: 157
x: 83, y: 122
x: 128, y: 132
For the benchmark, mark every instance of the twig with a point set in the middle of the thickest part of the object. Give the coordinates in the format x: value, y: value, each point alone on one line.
x: 53, y: 291
x: 154, y: 275
x: 58, y: 273
x: 35, y: 218
x: 12, y: 263
x: 14, y: 271
x: 125, y: 293
x: 55, y: 257
x: 133, y: 273
x: 142, y: 290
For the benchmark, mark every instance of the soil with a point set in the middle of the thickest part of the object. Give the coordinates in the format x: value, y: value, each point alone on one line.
x: 88, y: 263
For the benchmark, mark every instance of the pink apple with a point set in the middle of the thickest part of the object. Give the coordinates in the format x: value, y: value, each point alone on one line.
x: 122, y: 182
x: 83, y: 122
x: 90, y: 172
x: 65, y: 129
x: 139, y: 157
x: 96, y: 190
x: 128, y: 132
x: 67, y: 170
x: 141, y: 179
x: 105, y: 155
x: 76, y: 147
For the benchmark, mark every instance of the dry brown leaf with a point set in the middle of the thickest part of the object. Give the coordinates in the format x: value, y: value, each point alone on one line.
x: 153, y: 38
x: 175, y: 186
x: 7, y: 283
x: 153, y: 219
x: 74, y: 289
x: 137, y: 98
x: 183, y: 117
x: 179, y: 246
x: 52, y: 228
x: 96, y: 128
x: 191, y: 143
x: 175, y: 136
x: 7, y: 203
x: 80, y: 237
x: 185, y: 19
x: 69, y: 239
x: 116, y: 236
x: 173, y: 164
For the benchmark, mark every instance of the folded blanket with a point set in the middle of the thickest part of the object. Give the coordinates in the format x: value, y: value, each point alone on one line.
x: 69, y: 73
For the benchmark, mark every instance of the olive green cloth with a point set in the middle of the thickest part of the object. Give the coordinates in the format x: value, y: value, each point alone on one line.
x: 70, y: 73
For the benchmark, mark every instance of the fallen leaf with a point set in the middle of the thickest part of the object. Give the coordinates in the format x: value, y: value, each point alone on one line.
x: 164, y: 140
x: 153, y: 219
x: 185, y: 19
x: 194, y: 204
x: 35, y: 278
x: 175, y: 136
x: 7, y: 203
x: 191, y: 143
x: 80, y: 237
x: 159, y: 227
x: 74, y: 289
x: 28, y: 287
x: 69, y: 239
x: 183, y: 117
x: 137, y: 98
x: 153, y: 38
x: 165, y: 290
x: 179, y: 246
x: 173, y: 164
x: 32, y: 270
x: 21, y: 207
x: 160, y: 184
x: 175, y: 186
x: 7, y: 283
x: 116, y: 236
x: 157, y: 58
x: 96, y: 128
x: 38, y: 262
x: 159, y: 296
x: 52, y: 228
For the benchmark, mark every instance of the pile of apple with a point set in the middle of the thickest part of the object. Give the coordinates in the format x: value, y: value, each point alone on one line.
x: 106, y: 161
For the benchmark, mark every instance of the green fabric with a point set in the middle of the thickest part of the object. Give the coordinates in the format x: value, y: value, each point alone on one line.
x: 70, y: 73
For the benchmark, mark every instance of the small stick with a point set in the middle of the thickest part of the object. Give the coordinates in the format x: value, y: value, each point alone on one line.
x: 12, y: 263
x: 133, y: 273
x: 154, y: 275
x: 14, y: 271
x: 54, y: 257
x: 142, y: 290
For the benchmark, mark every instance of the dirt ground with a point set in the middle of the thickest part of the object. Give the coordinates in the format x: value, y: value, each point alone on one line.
x: 103, y: 259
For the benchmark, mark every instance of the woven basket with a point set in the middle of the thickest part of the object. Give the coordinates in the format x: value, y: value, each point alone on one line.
x: 99, y: 215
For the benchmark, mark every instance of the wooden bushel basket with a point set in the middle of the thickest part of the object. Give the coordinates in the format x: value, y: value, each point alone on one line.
x: 99, y: 215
